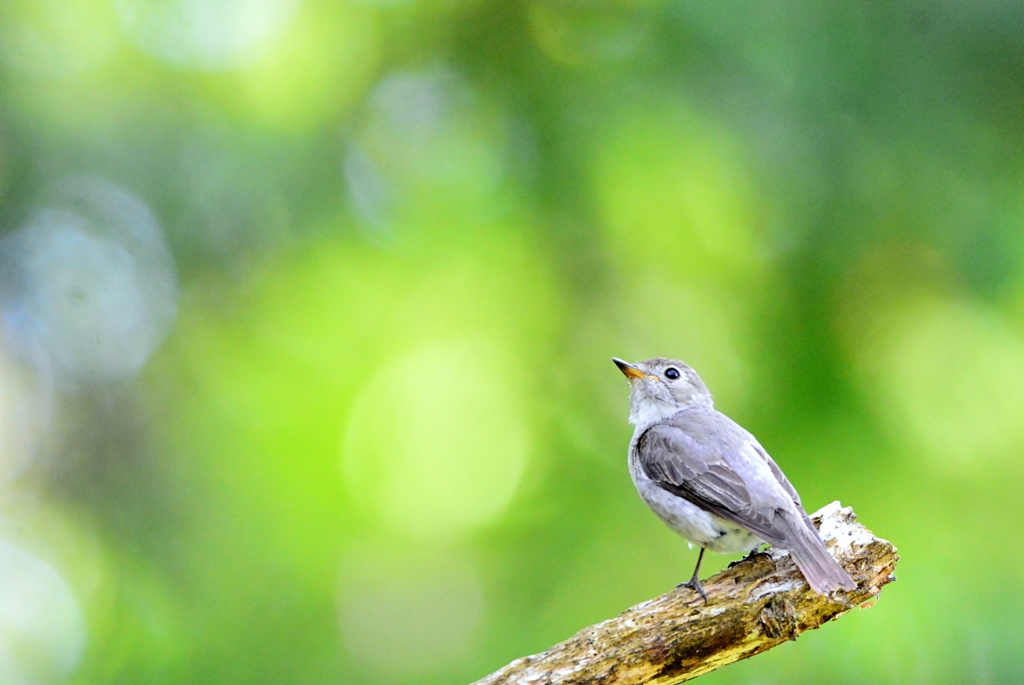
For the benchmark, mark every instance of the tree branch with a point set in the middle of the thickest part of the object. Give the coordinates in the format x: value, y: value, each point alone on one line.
x: 752, y: 606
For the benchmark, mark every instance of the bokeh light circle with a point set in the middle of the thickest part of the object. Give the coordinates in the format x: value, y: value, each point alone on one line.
x: 436, y: 443
x: 948, y: 375
x: 42, y: 626
x: 211, y: 35
x: 88, y: 284
x: 428, y: 151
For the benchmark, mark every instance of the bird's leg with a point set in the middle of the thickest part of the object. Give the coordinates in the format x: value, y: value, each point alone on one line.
x: 750, y: 555
x: 694, y: 582
x: 753, y: 553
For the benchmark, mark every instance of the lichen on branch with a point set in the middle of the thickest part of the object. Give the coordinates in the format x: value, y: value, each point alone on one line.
x: 752, y: 606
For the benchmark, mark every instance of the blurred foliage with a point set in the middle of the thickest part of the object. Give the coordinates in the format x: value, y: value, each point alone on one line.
x: 382, y: 441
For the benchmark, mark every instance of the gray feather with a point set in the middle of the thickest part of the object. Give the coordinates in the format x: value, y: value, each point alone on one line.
x: 704, y: 457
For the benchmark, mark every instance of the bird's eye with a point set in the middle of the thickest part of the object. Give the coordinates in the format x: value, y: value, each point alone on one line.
x: 672, y: 373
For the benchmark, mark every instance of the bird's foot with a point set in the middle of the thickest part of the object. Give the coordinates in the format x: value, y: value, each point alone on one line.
x: 694, y: 584
x: 756, y: 552
x: 752, y: 554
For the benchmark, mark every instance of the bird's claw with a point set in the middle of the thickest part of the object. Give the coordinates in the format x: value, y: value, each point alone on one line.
x: 694, y: 584
x: 752, y: 554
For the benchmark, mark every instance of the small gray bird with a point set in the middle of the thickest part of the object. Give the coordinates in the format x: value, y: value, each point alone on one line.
x: 710, y: 480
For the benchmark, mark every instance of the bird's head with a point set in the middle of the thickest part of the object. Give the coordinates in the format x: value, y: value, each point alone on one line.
x: 660, y: 387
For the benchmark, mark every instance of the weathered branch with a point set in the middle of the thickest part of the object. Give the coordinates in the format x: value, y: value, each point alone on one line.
x: 752, y: 606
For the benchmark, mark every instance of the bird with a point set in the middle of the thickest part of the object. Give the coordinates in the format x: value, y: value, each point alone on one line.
x: 710, y: 480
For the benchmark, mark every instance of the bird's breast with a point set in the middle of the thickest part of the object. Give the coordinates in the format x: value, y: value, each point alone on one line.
x: 688, y: 520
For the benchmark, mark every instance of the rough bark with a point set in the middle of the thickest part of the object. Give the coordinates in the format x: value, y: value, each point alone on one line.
x: 752, y: 606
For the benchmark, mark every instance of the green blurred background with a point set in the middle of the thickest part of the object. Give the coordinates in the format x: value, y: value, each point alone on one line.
x: 307, y: 311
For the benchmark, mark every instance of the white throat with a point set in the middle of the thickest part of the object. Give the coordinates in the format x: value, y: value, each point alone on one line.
x: 647, y: 411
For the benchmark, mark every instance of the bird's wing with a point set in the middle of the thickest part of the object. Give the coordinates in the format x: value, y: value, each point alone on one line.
x: 707, y: 459
x: 777, y: 472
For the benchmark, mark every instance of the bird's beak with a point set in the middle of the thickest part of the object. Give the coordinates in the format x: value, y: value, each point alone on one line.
x: 630, y: 371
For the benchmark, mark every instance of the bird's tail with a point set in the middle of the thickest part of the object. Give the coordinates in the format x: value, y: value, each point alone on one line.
x: 822, y: 572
